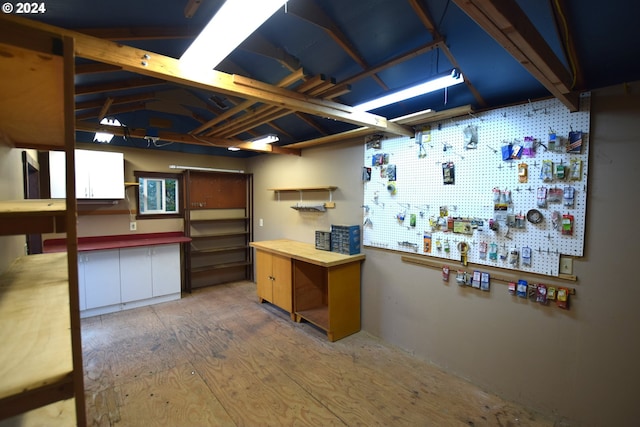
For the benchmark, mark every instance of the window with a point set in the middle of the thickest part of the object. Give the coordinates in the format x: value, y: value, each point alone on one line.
x: 159, y: 195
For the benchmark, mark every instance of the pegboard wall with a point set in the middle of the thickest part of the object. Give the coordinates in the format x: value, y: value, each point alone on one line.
x: 459, y: 189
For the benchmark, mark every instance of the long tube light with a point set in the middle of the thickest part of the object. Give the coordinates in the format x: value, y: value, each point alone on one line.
x: 230, y: 26
x: 450, y: 79
x: 200, y: 168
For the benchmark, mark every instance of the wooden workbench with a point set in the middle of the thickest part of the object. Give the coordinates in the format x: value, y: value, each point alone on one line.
x: 320, y: 287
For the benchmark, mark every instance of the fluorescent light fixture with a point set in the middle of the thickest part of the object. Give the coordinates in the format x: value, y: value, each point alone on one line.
x: 205, y: 169
x: 104, y: 136
x: 441, y: 82
x: 233, y: 149
x: 234, y: 22
x: 267, y: 139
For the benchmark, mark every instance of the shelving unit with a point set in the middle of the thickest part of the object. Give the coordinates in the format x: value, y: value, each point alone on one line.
x: 218, y: 219
x: 41, y: 353
x: 300, y: 206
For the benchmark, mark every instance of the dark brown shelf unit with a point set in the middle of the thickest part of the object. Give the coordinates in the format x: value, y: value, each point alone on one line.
x: 218, y: 218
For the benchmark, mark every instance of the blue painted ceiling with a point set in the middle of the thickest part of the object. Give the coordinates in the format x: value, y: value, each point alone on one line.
x: 606, y: 53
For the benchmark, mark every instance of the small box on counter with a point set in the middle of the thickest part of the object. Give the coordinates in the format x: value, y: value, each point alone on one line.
x: 323, y: 240
x: 345, y: 239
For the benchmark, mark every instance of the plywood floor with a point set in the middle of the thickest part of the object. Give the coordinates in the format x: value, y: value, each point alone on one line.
x: 219, y: 358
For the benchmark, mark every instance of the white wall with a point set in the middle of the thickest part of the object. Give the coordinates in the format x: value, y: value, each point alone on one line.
x: 580, y: 365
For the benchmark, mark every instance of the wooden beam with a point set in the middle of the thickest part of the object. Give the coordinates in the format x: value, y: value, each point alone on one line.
x: 85, y: 105
x: 95, y: 67
x: 117, y: 85
x: 124, y: 108
x: 105, y: 108
x: 151, y: 64
x: 141, y: 33
x: 505, y: 21
x: 83, y: 126
x: 256, y: 43
x: 191, y: 8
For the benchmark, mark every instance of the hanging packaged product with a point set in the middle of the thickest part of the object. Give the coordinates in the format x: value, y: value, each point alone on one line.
x: 521, y: 289
x: 541, y: 295
x: 523, y: 172
x: 470, y: 134
x: 366, y: 173
x: 555, y: 195
x: 575, y: 142
x: 512, y: 288
x: 447, y: 249
x: 426, y: 241
x: 532, y: 291
x: 560, y: 171
x: 562, y: 298
x: 516, y: 151
x: 551, y: 143
x: 569, y: 196
x: 448, y: 173
x: 520, y: 221
x: 391, y: 172
x: 528, y: 148
x: 541, y: 197
x: 493, y: 251
x: 412, y: 220
x: 485, y: 281
x: 567, y: 225
x: 575, y: 169
x: 526, y: 256
x: 546, y: 171
x: 439, y: 244
x: 551, y: 293
x: 461, y: 278
x: 555, y: 220
x: 506, y: 151
x: 482, y: 250
x: 445, y: 273
x: 513, y: 257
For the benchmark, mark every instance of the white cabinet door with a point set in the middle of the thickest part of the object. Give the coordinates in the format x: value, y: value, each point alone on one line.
x: 99, y: 174
x: 102, y: 277
x: 135, y: 273
x: 166, y: 269
x: 106, y: 173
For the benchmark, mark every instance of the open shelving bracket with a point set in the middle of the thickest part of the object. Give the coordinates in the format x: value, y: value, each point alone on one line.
x: 309, y: 208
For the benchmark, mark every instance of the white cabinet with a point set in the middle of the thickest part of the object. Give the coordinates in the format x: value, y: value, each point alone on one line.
x: 165, y: 269
x: 135, y: 273
x: 99, y: 174
x: 117, y: 279
x: 99, y: 272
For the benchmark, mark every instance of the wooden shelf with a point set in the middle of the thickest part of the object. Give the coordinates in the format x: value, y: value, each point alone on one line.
x: 198, y: 221
x: 324, y: 188
x: 318, y: 316
x: 213, y: 236
x: 196, y: 252
x: 32, y: 216
x: 36, y: 341
x: 207, y: 268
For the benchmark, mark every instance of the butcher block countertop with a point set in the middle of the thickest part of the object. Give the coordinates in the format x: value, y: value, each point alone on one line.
x: 117, y: 241
x: 306, y: 252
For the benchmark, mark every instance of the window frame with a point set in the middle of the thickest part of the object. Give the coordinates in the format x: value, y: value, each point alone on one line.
x: 163, y: 176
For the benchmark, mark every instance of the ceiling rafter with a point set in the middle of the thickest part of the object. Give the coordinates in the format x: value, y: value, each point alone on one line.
x: 426, y: 19
x: 310, y: 12
x: 85, y: 105
x: 83, y: 126
x: 140, y: 33
x: 118, y: 85
x: 507, y: 23
x: 95, y: 67
x: 258, y: 44
x: 125, y: 108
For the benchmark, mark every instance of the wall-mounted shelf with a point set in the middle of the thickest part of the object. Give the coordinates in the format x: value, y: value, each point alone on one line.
x: 309, y: 208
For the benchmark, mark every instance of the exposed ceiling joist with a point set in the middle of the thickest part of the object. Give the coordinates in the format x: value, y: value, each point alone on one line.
x: 311, y: 12
x: 140, y: 33
x: 85, y: 105
x: 118, y: 85
x: 119, y: 109
x: 186, y: 139
x: 261, y: 46
x: 95, y: 67
x: 505, y: 21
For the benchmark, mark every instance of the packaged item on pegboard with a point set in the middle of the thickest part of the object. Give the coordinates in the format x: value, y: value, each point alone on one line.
x: 575, y: 142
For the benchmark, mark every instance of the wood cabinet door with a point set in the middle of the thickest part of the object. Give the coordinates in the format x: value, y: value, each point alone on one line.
x: 263, y: 276
x: 282, y: 292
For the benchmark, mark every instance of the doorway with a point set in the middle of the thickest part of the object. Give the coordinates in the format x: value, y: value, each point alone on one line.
x: 31, y: 181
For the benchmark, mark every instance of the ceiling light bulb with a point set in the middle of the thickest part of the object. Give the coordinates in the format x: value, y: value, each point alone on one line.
x: 233, y: 149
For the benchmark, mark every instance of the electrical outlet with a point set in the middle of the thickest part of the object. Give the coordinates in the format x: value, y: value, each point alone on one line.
x: 133, y: 226
x: 566, y: 265
x: 261, y: 222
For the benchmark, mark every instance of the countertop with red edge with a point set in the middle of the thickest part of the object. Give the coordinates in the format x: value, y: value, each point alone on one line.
x: 114, y: 242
